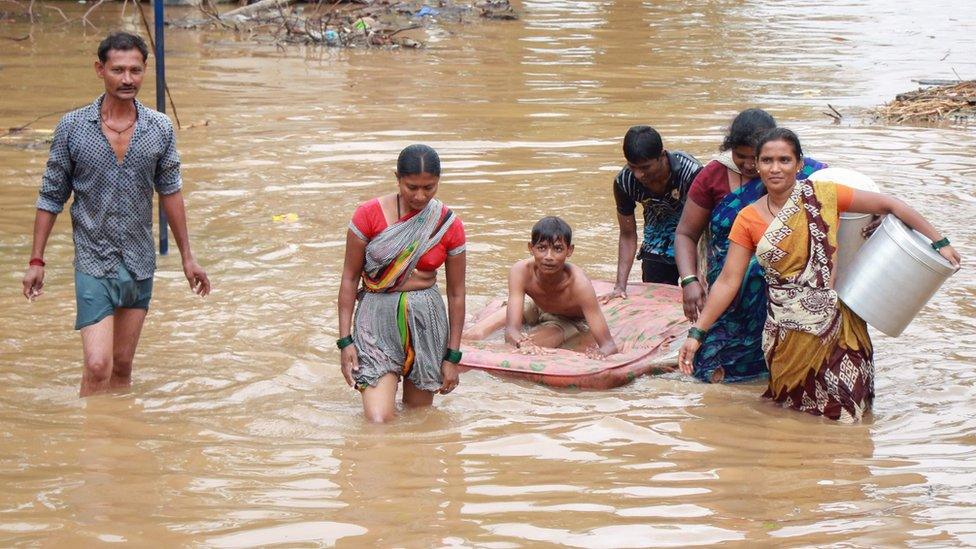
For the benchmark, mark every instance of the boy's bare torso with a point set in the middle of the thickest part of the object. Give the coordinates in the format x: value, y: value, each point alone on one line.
x: 559, y: 294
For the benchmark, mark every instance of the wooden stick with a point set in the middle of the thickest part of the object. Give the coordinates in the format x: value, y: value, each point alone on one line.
x: 256, y: 7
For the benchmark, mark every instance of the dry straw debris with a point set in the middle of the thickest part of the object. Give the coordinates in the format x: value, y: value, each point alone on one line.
x: 955, y: 102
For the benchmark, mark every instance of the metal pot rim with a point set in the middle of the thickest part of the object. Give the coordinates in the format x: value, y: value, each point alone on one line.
x: 914, y: 244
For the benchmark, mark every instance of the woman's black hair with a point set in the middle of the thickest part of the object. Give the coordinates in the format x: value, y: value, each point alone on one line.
x: 780, y: 134
x: 642, y: 143
x: 746, y: 127
x: 418, y: 159
x: 122, y: 41
x: 550, y: 230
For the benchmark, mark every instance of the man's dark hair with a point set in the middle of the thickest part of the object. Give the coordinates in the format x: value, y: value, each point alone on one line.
x: 642, y: 143
x: 781, y: 134
x: 418, y: 159
x: 551, y: 229
x: 747, y: 126
x: 122, y: 41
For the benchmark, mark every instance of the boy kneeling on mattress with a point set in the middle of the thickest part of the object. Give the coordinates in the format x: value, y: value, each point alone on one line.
x: 552, y: 296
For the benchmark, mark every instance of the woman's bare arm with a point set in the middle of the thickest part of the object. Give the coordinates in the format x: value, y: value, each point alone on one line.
x: 455, y: 268
x: 352, y: 269
x: 726, y: 286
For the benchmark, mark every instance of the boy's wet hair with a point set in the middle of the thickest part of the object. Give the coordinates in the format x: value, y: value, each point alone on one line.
x: 642, y: 143
x: 122, y: 41
x: 551, y: 229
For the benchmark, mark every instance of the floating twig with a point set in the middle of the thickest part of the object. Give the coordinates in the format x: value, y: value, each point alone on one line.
x: 18, y: 129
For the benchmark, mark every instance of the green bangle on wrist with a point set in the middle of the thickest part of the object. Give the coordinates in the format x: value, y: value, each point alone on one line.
x: 686, y: 280
x: 344, y: 342
x: 939, y: 244
x: 697, y: 334
x: 453, y: 355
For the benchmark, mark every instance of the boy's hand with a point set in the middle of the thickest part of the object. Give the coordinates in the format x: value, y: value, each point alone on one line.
x: 593, y: 352
x: 614, y: 294
x: 526, y: 346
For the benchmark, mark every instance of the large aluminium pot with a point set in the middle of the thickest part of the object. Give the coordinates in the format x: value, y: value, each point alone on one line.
x: 849, y: 238
x: 895, y: 273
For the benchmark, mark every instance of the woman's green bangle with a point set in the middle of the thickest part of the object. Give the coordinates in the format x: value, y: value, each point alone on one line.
x: 453, y: 355
x: 939, y: 244
x: 697, y: 333
x: 686, y: 280
x: 344, y: 342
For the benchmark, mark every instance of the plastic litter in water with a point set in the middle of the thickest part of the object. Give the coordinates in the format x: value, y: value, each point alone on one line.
x: 426, y: 11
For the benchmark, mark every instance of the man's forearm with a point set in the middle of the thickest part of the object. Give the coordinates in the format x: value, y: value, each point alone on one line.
x: 43, y: 224
x: 176, y: 216
x: 626, y: 249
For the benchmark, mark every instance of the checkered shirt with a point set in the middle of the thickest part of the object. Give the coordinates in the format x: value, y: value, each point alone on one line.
x: 112, y: 213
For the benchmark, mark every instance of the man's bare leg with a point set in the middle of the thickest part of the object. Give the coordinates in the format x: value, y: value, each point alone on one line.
x: 128, y: 327
x: 96, y: 343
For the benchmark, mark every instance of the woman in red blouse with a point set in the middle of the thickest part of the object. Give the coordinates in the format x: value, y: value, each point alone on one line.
x: 394, y: 246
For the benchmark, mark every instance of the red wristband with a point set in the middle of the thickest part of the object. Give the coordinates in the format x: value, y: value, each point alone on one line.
x: 36, y: 261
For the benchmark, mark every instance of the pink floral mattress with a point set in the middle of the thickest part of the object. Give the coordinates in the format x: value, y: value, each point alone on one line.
x: 649, y: 327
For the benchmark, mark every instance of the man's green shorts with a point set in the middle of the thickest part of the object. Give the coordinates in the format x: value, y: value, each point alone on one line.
x: 98, y: 298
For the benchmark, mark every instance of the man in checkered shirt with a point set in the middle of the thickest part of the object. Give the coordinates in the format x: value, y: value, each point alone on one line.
x: 112, y: 155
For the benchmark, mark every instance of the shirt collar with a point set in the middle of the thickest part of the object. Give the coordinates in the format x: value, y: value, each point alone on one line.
x: 673, y: 168
x: 93, y: 111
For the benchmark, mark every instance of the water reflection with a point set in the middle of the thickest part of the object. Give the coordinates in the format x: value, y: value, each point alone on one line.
x: 406, y: 481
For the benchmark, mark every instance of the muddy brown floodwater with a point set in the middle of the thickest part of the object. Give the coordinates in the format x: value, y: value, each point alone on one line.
x: 238, y: 429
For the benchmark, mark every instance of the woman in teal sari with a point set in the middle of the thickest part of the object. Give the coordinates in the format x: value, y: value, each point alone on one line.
x: 732, y: 350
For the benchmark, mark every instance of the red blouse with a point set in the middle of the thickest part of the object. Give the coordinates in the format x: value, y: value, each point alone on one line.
x: 368, y: 221
x: 710, y: 186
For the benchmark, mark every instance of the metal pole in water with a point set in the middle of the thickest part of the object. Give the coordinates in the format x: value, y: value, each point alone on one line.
x: 161, y: 107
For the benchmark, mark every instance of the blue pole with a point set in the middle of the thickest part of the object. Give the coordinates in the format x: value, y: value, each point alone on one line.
x: 161, y: 107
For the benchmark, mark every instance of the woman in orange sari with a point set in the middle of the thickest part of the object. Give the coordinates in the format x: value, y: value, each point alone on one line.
x: 818, y: 352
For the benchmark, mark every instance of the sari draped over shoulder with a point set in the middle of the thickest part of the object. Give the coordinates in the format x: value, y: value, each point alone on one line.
x: 819, y: 353
x: 734, y: 342
x: 393, y: 254
x: 404, y: 333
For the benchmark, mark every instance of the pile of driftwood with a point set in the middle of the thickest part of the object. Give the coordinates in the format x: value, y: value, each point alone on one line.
x: 346, y: 23
x: 944, y: 101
